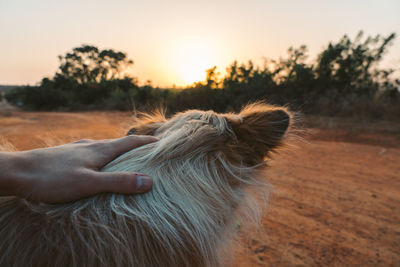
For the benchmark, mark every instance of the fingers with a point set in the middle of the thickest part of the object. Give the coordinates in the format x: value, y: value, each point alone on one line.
x: 124, y: 144
x: 122, y: 182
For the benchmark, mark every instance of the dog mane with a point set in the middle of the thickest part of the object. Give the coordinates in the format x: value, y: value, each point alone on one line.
x: 185, y: 220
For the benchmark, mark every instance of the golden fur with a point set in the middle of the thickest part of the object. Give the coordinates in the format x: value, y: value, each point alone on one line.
x: 201, y: 166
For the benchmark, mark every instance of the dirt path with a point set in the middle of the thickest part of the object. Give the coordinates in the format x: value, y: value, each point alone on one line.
x: 336, y: 199
x: 335, y: 204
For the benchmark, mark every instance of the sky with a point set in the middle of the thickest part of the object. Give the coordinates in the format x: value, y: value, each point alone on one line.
x: 174, y: 42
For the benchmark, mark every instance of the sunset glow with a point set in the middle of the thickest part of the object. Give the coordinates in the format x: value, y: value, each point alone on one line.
x: 193, y: 58
x: 174, y: 42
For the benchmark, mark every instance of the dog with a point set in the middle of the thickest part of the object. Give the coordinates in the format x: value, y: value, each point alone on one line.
x: 201, y: 167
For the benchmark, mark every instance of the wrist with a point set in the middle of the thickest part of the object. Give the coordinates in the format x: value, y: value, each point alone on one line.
x: 11, y: 174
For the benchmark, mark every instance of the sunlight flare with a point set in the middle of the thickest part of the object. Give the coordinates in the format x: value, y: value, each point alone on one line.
x: 194, y: 57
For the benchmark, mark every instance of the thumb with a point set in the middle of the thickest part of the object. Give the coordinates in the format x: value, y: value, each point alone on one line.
x: 123, y: 182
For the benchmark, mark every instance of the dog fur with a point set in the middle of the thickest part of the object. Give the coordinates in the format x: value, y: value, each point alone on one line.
x: 201, y: 167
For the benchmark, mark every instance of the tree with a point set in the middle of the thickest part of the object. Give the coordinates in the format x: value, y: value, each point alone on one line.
x: 352, y: 63
x: 294, y: 69
x: 87, y: 64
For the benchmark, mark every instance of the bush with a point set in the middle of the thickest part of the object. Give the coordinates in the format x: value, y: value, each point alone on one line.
x: 344, y: 80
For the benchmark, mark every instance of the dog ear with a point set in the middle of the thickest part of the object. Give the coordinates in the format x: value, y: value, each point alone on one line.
x: 259, y: 128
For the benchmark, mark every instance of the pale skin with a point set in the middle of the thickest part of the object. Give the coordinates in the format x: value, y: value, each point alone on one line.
x: 70, y: 172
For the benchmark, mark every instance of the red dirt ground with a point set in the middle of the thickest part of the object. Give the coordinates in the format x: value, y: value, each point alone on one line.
x: 336, y: 200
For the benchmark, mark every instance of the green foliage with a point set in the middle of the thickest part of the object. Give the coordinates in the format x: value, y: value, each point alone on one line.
x: 36, y: 97
x: 87, y: 64
x: 343, y: 80
x: 350, y: 62
x: 87, y: 78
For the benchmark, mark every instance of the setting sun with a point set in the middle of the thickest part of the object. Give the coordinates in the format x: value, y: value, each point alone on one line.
x: 193, y: 58
x: 193, y: 68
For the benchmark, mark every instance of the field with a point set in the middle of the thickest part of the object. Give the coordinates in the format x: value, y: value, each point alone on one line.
x: 336, y: 200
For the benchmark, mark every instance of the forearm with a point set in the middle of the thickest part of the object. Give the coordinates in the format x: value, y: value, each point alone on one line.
x: 11, y: 173
x: 71, y: 171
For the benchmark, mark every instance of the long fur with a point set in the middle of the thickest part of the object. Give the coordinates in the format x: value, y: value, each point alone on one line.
x: 201, y: 167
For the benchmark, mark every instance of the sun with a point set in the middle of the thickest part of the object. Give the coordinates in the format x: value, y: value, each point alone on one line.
x: 194, y: 58
x: 193, y: 68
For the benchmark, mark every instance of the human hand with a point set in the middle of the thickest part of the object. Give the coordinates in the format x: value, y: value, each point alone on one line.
x: 71, y: 171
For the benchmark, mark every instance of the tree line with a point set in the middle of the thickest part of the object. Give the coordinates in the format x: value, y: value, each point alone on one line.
x: 343, y: 80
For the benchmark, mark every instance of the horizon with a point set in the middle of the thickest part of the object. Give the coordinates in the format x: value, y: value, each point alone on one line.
x: 174, y: 42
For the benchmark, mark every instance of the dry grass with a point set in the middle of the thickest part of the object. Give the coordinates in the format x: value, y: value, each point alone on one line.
x: 28, y: 130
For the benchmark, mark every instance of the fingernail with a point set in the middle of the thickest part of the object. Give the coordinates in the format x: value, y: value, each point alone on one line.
x: 143, y: 183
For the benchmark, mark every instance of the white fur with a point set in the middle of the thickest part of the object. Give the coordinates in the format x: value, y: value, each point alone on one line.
x: 183, y: 221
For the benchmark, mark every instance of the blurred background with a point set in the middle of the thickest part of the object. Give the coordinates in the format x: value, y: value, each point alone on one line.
x: 325, y: 57
x: 81, y: 69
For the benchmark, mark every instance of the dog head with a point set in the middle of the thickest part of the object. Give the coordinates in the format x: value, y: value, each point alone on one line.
x: 243, y: 138
x: 200, y: 167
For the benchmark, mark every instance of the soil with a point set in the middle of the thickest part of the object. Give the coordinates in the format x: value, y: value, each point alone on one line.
x: 336, y: 199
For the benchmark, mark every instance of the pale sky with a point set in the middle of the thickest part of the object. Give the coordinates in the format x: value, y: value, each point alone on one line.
x: 173, y: 42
